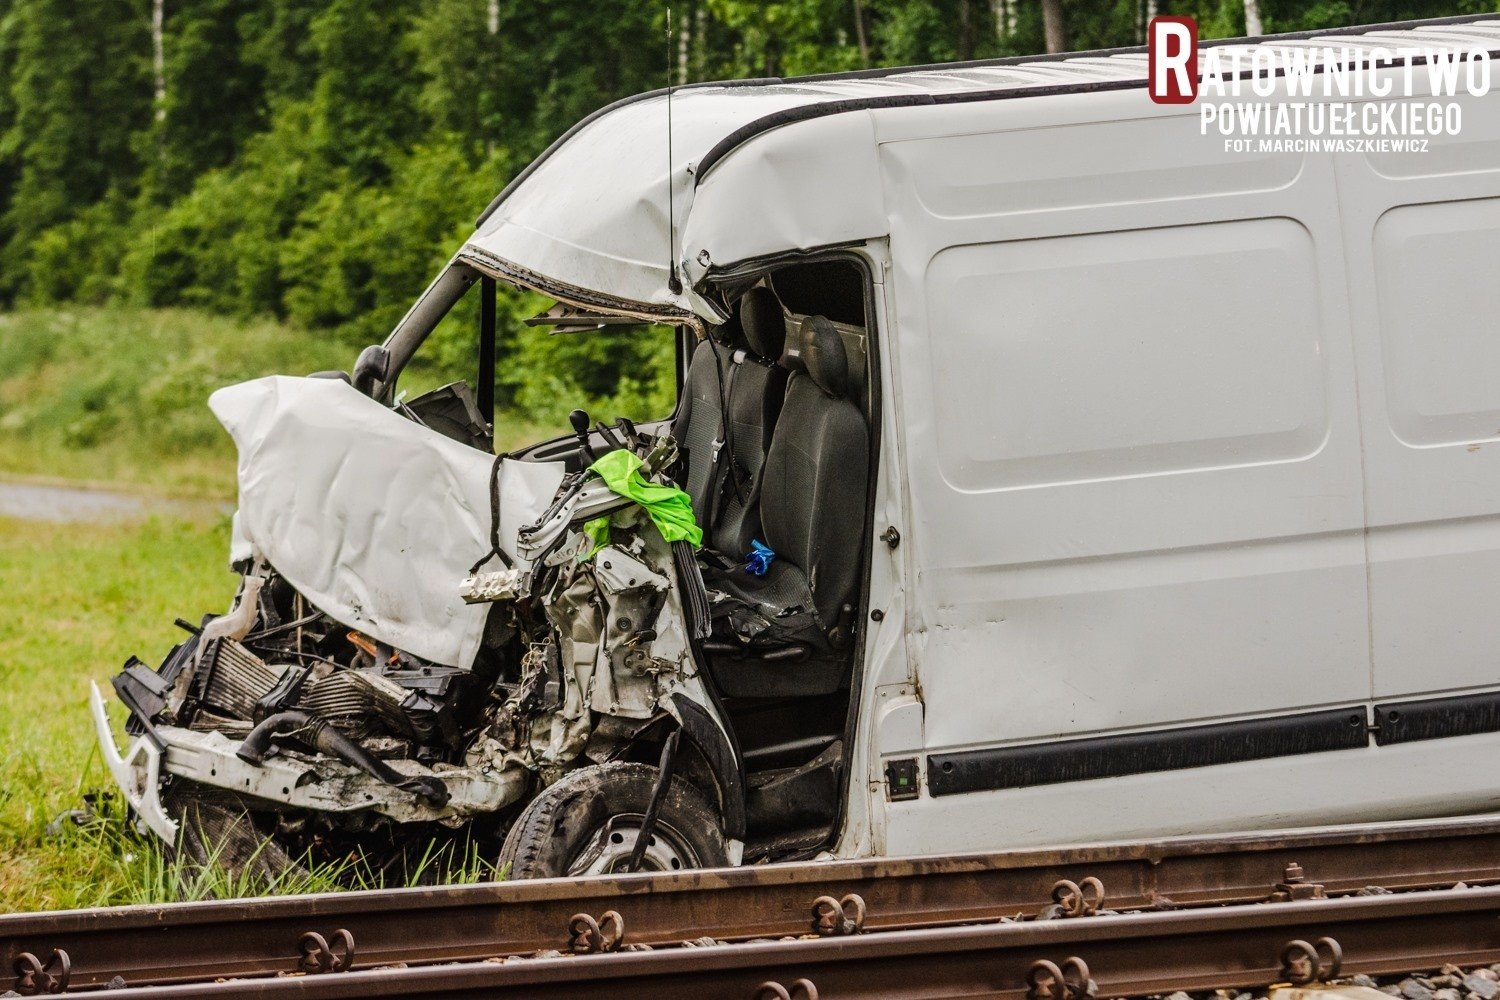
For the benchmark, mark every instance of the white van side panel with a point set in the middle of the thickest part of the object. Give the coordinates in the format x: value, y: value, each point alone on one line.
x: 1133, y: 457
x: 1423, y: 238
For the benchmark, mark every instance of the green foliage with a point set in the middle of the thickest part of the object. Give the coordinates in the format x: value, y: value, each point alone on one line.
x: 207, y: 78
x: 358, y: 255
x: 79, y: 95
x: 363, y: 100
x: 620, y: 371
x: 220, y: 246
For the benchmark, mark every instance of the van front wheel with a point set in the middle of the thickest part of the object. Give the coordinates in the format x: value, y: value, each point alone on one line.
x: 589, y: 822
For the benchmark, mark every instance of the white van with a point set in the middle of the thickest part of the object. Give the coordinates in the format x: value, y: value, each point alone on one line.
x: 1113, y: 483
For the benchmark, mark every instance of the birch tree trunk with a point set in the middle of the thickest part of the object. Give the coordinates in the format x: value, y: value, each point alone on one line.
x: 493, y: 20
x: 1005, y: 20
x: 1252, y: 18
x: 859, y: 33
x: 700, y: 32
x: 1149, y: 10
x: 158, y: 59
x: 1055, y: 25
x: 965, y: 31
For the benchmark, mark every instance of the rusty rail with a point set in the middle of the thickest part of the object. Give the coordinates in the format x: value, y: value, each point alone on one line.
x: 195, y: 942
x: 1234, y: 947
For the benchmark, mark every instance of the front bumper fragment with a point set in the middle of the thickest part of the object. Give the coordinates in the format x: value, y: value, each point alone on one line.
x: 138, y: 772
x: 290, y: 782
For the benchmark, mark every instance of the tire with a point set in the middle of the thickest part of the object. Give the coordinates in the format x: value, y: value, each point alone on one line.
x: 217, y: 836
x: 585, y: 824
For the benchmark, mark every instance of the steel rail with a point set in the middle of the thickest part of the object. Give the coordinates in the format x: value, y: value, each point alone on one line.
x: 191, y: 942
x: 1126, y: 955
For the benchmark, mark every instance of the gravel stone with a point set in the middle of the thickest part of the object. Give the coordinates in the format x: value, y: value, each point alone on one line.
x: 1447, y: 993
x: 1365, y: 981
x: 1483, y: 987
x: 1413, y: 989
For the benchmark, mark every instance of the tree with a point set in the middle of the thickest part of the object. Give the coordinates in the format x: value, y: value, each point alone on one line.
x: 365, y: 98
x: 1252, y: 18
x: 208, y: 100
x: 80, y: 94
x: 1056, y: 25
x: 462, y: 62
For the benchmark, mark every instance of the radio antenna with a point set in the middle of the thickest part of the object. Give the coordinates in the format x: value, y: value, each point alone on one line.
x: 674, y: 284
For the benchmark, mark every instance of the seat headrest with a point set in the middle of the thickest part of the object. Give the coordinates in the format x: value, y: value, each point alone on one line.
x: 762, y: 321
x: 824, y: 357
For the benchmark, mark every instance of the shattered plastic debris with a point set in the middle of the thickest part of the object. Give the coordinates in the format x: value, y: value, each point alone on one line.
x: 497, y: 585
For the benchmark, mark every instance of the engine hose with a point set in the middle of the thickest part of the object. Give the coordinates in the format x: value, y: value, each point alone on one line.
x: 316, y: 733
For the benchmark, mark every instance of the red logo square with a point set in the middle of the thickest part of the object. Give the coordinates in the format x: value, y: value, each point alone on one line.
x: 1172, y: 60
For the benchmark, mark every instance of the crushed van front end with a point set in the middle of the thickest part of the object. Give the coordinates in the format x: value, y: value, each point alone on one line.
x: 423, y: 636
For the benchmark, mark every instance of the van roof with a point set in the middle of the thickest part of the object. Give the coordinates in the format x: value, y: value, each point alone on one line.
x: 589, y: 219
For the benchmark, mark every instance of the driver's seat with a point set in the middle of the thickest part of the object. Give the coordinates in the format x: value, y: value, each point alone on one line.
x: 699, y: 424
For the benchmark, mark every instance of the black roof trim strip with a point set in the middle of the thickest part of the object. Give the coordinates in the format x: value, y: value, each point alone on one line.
x: 869, y: 74
x: 808, y: 112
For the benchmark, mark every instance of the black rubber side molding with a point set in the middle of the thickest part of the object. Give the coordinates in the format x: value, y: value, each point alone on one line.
x: 1141, y: 753
x: 1409, y: 721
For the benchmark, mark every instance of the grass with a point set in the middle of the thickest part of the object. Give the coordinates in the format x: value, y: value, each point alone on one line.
x: 118, y: 396
x: 77, y: 600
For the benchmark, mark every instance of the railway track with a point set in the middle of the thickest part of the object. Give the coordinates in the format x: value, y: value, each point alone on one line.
x: 1103, y: 956
x: 917, y: 907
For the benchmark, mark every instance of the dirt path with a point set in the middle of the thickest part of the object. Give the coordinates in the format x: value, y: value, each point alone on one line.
x: 65, y: 504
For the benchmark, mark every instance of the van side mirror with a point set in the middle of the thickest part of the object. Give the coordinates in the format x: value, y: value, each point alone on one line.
x: 371, y: 368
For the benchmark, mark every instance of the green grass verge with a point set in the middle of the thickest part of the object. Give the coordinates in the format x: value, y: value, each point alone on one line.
x: 119, y: 396
x: 77, y: 600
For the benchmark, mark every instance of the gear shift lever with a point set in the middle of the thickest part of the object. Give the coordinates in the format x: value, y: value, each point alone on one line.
x: 580, y: 421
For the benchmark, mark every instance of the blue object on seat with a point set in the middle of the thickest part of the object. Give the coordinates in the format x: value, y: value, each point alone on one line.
x: 759, y: 560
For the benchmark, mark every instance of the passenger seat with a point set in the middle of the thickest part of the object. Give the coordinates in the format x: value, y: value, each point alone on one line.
x: 812, y: 511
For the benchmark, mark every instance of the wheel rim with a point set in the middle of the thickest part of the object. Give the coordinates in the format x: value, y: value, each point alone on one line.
x: 609, y: 850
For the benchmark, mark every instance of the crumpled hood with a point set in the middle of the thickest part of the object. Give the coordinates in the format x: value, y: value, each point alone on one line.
x: 373, y: 518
